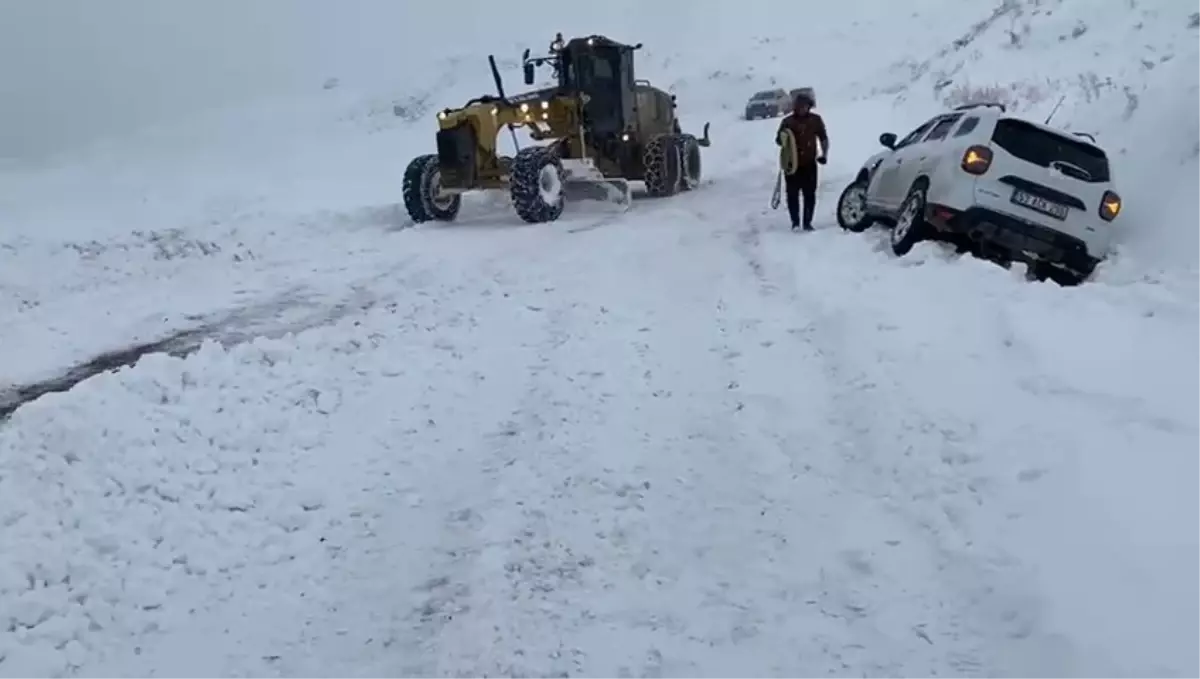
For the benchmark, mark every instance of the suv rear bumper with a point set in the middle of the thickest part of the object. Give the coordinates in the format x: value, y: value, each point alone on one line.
x: 1020, y: 240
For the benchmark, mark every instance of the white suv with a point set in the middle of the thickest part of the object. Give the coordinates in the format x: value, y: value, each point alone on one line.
x: 1009, y: 188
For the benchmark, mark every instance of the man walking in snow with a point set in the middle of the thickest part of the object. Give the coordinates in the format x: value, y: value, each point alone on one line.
x: 808, y: 129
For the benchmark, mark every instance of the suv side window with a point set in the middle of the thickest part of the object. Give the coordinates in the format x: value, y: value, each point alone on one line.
x: 967, y: 127
x: 942, y: 128
x: 915, y: 134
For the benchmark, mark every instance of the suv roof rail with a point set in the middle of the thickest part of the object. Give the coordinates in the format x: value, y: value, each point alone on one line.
x: 1086, y: 136
x: 996, y: 104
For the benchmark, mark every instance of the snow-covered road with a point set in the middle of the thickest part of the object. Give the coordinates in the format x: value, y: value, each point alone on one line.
x: 685, y: 442
x: 675, y: 441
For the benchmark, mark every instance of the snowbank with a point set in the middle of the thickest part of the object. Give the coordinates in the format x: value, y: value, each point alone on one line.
x: 1077, y: 413
x: 1124, y: 72
x: 144, y: 503
x: 146, y: 496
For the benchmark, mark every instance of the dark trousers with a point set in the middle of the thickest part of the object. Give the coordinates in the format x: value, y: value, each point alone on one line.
x: 803, y: 182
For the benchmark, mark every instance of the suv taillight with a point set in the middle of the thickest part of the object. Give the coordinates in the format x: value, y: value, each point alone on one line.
x: 1110, y: 206
x: 977, y: 159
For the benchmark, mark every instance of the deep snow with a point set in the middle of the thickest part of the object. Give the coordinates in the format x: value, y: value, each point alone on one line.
x: 674, y: 441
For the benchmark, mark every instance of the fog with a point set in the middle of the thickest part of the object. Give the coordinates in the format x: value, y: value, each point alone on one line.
x: 72, y: 71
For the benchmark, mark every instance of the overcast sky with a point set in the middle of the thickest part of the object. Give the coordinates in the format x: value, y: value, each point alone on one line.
x: 74, y: 70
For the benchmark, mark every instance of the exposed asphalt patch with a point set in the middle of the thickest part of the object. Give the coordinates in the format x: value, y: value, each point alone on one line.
x: 291, y: 312
x: 179, y: 344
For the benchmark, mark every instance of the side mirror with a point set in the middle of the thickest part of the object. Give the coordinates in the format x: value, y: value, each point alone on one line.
x: 888, y: 139
x: 529, y: 74
x: 525, y: 55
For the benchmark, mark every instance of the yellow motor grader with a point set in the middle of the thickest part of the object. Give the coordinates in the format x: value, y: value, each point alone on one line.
x: 597, y: 129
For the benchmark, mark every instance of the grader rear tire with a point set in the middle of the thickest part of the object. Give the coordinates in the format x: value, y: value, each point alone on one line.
x: 664, y: 166
x: 689, y: 151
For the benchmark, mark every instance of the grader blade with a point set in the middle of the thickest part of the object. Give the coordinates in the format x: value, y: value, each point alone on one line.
x: 616, y: 191
x: 582, y: 181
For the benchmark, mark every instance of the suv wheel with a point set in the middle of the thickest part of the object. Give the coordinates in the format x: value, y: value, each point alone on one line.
x: 852, y: 208
x: 910, y: 222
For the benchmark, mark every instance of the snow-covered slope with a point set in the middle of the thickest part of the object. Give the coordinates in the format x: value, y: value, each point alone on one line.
x: 1123, y: 71
x: 674, y: 441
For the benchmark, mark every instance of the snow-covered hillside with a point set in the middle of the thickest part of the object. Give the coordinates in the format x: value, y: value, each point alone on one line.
x: 678, y: 440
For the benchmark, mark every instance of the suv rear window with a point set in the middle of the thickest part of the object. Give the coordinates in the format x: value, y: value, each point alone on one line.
x: 1040, y: 147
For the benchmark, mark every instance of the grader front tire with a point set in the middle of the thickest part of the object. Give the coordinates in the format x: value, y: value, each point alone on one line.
x: 536, y: 185
x: 422, y: 195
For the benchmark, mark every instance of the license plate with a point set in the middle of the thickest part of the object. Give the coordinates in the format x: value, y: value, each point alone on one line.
x: 1046, y: 207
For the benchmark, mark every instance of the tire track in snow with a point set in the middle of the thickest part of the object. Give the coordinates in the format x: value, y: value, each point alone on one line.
x: 544, y: 513
x: 230, y: 328
x: 877, y: 581
x: 296, y: 309
x: 661, y: 506
x: 396, y: 451
x: 561, y: 504
x: 920, y: 467
x: 456, y: 494
x: 516, y: 565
